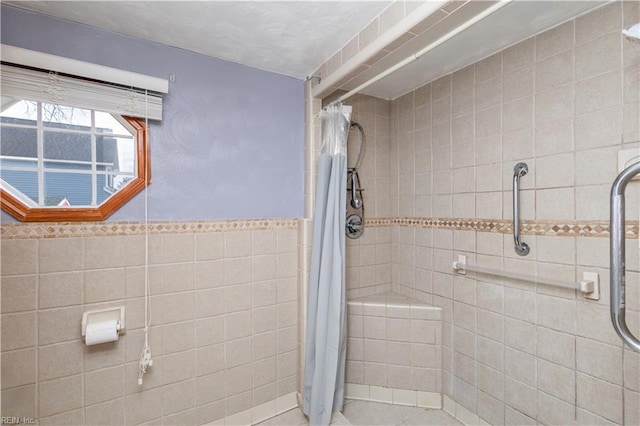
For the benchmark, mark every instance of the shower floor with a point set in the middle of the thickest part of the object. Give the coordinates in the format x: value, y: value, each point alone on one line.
x: 366, y: 413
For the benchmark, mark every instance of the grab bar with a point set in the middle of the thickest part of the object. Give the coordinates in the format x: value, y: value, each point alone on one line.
x: 617, y: 242
x: 520, y: 169
x: 590, y: 284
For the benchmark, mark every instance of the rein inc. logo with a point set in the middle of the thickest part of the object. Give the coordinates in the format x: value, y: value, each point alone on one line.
x: 4, y: 420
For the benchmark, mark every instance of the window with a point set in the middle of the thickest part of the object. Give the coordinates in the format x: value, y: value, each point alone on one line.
x: 73, y: 135
x: 61, y: 162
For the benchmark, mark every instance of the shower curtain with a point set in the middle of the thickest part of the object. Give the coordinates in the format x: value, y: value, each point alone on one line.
x: 325, y: 345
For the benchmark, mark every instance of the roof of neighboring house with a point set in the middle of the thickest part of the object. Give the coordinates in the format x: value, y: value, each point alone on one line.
x: 21, y: 142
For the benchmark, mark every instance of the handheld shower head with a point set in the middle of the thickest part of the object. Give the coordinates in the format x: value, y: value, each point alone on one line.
x: 632, y: 33
x: 356, y: 201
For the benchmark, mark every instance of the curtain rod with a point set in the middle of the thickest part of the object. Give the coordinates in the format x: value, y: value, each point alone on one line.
x: 420, y: 53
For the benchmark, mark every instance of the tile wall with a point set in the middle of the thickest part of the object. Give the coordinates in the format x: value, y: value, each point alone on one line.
x: 225, y: 303
x: 369, y: 257
x: 224, y: 323
x: 400, y: 23
x: 565, y: 102
x: 394, y: 342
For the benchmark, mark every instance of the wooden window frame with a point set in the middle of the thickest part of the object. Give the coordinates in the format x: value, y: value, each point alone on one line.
x: 23, y: 213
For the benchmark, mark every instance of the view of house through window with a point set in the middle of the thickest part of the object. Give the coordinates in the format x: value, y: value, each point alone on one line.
x: 55, y: 155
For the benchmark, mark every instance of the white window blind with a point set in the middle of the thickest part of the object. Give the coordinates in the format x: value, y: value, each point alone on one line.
x: 45, y: 61
x: 50, y: 87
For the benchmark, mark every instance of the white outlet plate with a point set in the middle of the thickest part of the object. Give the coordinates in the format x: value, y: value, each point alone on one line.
x: 627, y: 157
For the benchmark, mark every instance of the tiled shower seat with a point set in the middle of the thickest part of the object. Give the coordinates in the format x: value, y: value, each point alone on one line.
x: 394, y: 350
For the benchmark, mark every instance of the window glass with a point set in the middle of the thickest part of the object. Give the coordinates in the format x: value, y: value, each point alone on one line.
x: 117, y: 153
x: 62, y: 189
x: 58, y: 155
x: 69, y: 148
x: 18, y: 110
x: 109, y: 183
x: 23, y: 181
x: 64, y: 117
x: 19, y: 142
x: 107, y: 123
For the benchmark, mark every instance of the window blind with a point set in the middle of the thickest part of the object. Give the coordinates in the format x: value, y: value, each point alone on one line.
x: 68, y: 66
x: 50, y: 87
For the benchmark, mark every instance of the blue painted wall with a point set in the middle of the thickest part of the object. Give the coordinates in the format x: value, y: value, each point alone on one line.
x: 230, y: 145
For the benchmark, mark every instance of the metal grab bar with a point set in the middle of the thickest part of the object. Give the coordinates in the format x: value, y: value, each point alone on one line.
x: 617, y: 249
x: 520, y: 169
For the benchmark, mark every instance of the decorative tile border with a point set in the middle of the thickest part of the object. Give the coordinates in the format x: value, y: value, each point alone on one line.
x: 528, y: 227
x: 375, y: 222
x: 112, y: 229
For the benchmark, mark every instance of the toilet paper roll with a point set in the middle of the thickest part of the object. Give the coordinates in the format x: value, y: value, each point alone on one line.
x: 101, y: 332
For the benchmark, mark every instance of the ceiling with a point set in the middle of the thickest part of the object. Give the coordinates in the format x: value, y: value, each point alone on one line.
x: 295, y: 37
x: 286, y: 37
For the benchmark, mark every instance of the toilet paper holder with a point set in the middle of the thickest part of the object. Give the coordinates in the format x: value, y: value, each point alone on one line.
x: 101, y: 315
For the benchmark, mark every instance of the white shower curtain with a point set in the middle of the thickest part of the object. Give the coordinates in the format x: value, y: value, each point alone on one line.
x: 325, y: 346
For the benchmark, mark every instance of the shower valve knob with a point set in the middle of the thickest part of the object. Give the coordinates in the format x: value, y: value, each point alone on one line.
x: 354, y: 226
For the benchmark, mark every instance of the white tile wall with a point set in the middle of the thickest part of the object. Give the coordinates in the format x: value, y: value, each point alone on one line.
x: 394, y: 343
x: 519, y: 353
x: 223, y: 335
